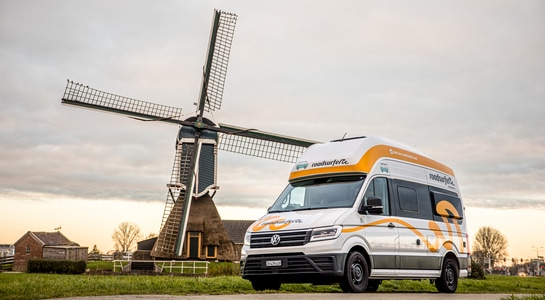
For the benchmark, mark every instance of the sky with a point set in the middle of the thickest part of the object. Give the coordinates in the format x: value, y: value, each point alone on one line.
x: 459, y: 80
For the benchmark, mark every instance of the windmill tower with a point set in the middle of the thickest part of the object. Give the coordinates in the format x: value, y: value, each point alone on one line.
x: 194, y: 173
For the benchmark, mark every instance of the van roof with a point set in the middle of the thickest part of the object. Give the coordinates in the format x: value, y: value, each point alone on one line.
x: 358, y: 155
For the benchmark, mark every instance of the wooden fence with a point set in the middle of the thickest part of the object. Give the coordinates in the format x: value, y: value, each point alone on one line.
x: 6, y: 263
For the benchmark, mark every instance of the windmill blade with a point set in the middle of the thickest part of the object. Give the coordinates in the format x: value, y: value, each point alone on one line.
x: 261, y: 144
x: 83, y: 96
x: 217, y: 58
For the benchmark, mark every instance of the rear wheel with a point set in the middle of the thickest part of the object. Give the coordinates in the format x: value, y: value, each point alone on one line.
x: 261, y: 285
x: 448, y: 282
x: 356, y: 274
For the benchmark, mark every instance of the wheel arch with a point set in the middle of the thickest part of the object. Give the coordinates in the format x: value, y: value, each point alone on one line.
x: 452, y: 256
x: 363, y: 251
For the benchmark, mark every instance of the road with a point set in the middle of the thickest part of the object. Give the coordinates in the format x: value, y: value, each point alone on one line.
x: 320, y: 296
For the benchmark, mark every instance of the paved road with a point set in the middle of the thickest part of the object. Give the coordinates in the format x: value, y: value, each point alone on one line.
x: 321, y: 296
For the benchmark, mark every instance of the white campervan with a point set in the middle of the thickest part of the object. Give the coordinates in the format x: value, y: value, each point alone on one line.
x: 357, y: 211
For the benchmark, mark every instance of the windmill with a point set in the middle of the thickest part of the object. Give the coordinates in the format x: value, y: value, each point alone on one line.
x: 194, y: 173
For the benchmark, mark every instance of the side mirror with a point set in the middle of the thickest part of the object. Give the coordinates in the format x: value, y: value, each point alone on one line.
x: 374, y: 206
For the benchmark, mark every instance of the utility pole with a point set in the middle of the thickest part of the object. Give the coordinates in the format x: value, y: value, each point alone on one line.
x: 536, y: 272
x: 537, y: 250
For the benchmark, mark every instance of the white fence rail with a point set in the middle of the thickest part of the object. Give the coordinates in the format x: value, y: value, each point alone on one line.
x: 170, y: 266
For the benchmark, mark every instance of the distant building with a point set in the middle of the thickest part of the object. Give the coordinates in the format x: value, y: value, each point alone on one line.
x: 7, y: 250
x: 46, y: 245
x: 236, y: 229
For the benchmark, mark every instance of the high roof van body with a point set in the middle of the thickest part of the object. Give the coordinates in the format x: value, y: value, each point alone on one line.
x: 356, y: 212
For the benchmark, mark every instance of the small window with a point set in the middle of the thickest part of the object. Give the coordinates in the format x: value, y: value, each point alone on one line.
x: 27, y: 250
x: 379, y: 188
x: 447, y: 206
x: 408, y: 200
x: 211, y: 251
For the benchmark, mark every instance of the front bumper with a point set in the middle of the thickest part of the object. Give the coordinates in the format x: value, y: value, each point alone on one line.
x: 293, y: 267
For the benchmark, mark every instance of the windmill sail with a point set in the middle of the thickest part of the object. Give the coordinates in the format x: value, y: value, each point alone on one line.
x: 262, y: 144
x: 83, y: 96
x: 217, y: 59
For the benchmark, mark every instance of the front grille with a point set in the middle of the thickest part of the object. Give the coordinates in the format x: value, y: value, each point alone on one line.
x: 294, y: 263
x: 287, y: 238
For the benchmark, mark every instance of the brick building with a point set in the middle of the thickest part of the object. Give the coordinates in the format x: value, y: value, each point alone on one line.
x: 46, y: 245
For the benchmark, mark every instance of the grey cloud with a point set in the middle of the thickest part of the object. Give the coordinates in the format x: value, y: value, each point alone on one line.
x: 461, y: 81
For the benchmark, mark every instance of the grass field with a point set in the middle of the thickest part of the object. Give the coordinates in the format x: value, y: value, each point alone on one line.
x: 44, y: 286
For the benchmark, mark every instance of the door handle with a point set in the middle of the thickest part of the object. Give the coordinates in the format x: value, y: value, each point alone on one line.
x: 391, y: 225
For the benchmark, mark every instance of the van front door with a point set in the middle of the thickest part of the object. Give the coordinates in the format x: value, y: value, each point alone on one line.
x: 382, y: 232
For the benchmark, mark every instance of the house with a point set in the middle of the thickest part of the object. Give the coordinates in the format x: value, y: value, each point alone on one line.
x: 7, y: 250
x: 46, y: 245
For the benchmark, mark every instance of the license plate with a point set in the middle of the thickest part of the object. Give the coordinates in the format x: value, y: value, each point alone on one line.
x: 273, y: 263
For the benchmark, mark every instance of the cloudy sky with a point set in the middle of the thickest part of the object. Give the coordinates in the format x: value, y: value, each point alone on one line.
x: 462, y: 81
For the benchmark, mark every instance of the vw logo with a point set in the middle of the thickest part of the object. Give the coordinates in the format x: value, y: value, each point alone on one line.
x: 275, y: 240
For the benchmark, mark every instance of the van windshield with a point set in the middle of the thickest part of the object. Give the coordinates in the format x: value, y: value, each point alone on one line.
x: 319, y: 193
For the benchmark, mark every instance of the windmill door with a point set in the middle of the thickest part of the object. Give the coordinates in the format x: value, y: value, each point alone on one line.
x: 194, y: 245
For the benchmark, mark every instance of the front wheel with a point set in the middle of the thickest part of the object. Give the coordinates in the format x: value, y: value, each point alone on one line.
x: 356, y: 274
x: 448, y: 282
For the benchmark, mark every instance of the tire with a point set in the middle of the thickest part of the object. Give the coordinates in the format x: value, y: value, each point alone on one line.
x: 356, y: 274
x: 261, y: 285
x: 448, y: 282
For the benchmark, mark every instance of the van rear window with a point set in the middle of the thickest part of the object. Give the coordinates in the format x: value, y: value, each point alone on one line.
x: 448, y: 206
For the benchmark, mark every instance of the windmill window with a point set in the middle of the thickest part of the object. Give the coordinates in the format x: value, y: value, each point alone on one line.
x: 211, y: 251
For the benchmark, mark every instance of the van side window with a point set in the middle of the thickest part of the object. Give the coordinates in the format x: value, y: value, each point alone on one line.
x: 379, y: 188
x: 408, y: 200
x: 412, y: 200
x: 446, y: 205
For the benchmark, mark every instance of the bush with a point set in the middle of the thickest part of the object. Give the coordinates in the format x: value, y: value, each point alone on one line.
x: 56, y: 266
x: 477, y: 271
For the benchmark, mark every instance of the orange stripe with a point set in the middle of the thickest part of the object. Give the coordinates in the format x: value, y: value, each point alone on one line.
x: 369, y: 159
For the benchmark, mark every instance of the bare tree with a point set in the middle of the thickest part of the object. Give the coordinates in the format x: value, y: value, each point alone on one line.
x: 151, y: 235
x: 125, y: 236
x: 491, y: 244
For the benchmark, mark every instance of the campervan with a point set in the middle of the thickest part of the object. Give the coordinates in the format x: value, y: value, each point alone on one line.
x: 358, y: 211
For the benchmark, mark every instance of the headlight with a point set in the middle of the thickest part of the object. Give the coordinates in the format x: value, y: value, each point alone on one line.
x: 325, y: 233
x: 247, y: 237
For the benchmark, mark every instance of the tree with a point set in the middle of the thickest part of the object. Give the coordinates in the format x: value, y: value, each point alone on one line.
x: 95, y: 250
x: 125, y: 236
x: 151, y: 235
x: 491, y: 244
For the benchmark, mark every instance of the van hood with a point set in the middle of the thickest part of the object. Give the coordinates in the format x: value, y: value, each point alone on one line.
x: 300, y: 219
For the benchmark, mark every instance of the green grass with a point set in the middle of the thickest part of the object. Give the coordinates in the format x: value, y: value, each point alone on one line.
x: 43, y: 286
